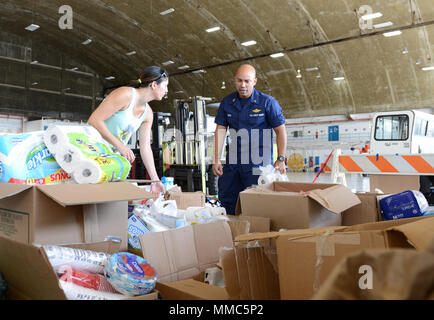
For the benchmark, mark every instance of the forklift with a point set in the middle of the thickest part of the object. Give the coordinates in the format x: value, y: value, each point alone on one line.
x: 188, y: 162
x: 191, y: 167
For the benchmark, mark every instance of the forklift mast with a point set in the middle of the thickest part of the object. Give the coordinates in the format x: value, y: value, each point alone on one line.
x: 191, y: 149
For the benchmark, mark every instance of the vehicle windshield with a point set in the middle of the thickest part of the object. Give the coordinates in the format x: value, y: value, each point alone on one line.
x: 391, y: 127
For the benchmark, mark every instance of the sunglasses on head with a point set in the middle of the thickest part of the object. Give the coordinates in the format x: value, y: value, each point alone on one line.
x: 163, y: 75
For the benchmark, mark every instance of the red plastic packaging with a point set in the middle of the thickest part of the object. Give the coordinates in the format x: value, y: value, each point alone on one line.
x: 87, y: 280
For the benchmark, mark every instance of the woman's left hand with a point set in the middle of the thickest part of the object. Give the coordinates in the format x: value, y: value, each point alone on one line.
x: 157, y: 187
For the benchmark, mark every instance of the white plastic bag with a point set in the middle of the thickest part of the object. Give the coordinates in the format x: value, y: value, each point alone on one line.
x: 270, y: 174
x: 167, y: 207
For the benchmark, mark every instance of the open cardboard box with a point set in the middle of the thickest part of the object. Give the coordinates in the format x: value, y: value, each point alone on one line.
x: 180, y: 254
x: 29, y: 274
x: 181, y: 267
x: 191, y: 289
x: 366, y: 211
x: 391, y: 184
x: 293, y: 264
x: 186, y: 199
x: 293, y: 205
x: 67, y: 213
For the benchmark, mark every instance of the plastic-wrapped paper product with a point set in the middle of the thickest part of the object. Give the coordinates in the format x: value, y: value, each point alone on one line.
x: 130, y: 274
x: 88, y: 280
x: 136, y: 227
x: 76, y: 292
x: 407, y: 204
x: 86, y: 260
x: 270, y: 174
x: 84, y: 154
x: 205, y: 214
x: 152, y: 224
x: 25, y: 159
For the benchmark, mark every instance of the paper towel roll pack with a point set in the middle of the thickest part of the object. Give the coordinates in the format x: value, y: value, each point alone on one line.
x: 25, y: 159
x: 130, y: 274
x: 85, y: 155
x: 80, y: 259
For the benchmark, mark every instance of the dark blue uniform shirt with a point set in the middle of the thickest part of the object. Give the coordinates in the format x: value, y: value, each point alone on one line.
x: 261, y: 113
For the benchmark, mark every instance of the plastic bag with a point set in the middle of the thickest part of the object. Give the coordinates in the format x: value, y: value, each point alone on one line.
x: 270, y: 174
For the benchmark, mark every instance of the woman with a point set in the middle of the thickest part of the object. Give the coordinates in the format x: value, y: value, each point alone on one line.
x: 125, y: 110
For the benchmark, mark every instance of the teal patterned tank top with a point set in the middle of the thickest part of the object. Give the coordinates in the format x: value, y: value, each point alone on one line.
x: 123, y: 124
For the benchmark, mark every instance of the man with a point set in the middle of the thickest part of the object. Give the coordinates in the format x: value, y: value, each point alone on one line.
x: 250, y: 115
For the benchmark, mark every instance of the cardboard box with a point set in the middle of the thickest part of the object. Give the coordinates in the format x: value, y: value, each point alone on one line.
x: 250, y: 272
x: 364, y: 212
x: 186, y: 199
x: 251, y: 269
x: 245, y: 224
x: 256, y: 224
x: 182, y: 253
x: 29, y: 274
x: 393, y: 183
x: 191, y: 289
x: 66, y: 213
x: 238, y: 227
x: 300, y: 260
x: 292, y: 205
x: 305, y: 261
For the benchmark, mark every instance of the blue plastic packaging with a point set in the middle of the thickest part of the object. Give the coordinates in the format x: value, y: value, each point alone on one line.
x: 407, y: 204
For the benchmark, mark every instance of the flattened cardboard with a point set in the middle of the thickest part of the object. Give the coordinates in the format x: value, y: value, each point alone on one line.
x: 182, y: 253
x: 191, y: 289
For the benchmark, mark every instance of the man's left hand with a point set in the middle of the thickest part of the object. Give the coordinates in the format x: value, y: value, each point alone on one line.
x: 279, y: 165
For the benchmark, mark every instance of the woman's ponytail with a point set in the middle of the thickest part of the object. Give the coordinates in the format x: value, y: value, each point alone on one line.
x: 149, y: 75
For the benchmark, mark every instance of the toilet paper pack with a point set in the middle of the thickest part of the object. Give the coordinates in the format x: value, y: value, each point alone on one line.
x: 25, y: 159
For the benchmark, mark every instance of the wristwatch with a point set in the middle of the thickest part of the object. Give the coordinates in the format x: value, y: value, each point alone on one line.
x: 281, y: 158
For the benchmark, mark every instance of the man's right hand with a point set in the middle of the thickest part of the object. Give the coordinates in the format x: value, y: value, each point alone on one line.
x: 217, y: 168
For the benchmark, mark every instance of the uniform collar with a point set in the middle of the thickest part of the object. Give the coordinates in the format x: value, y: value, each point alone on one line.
x: 252, y: 99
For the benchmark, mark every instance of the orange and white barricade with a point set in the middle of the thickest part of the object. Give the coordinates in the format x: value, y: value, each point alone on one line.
x: 397, y: 164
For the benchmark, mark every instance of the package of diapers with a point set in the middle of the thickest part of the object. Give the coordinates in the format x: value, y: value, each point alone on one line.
x: 25, y: 159
x: 82, y: 152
